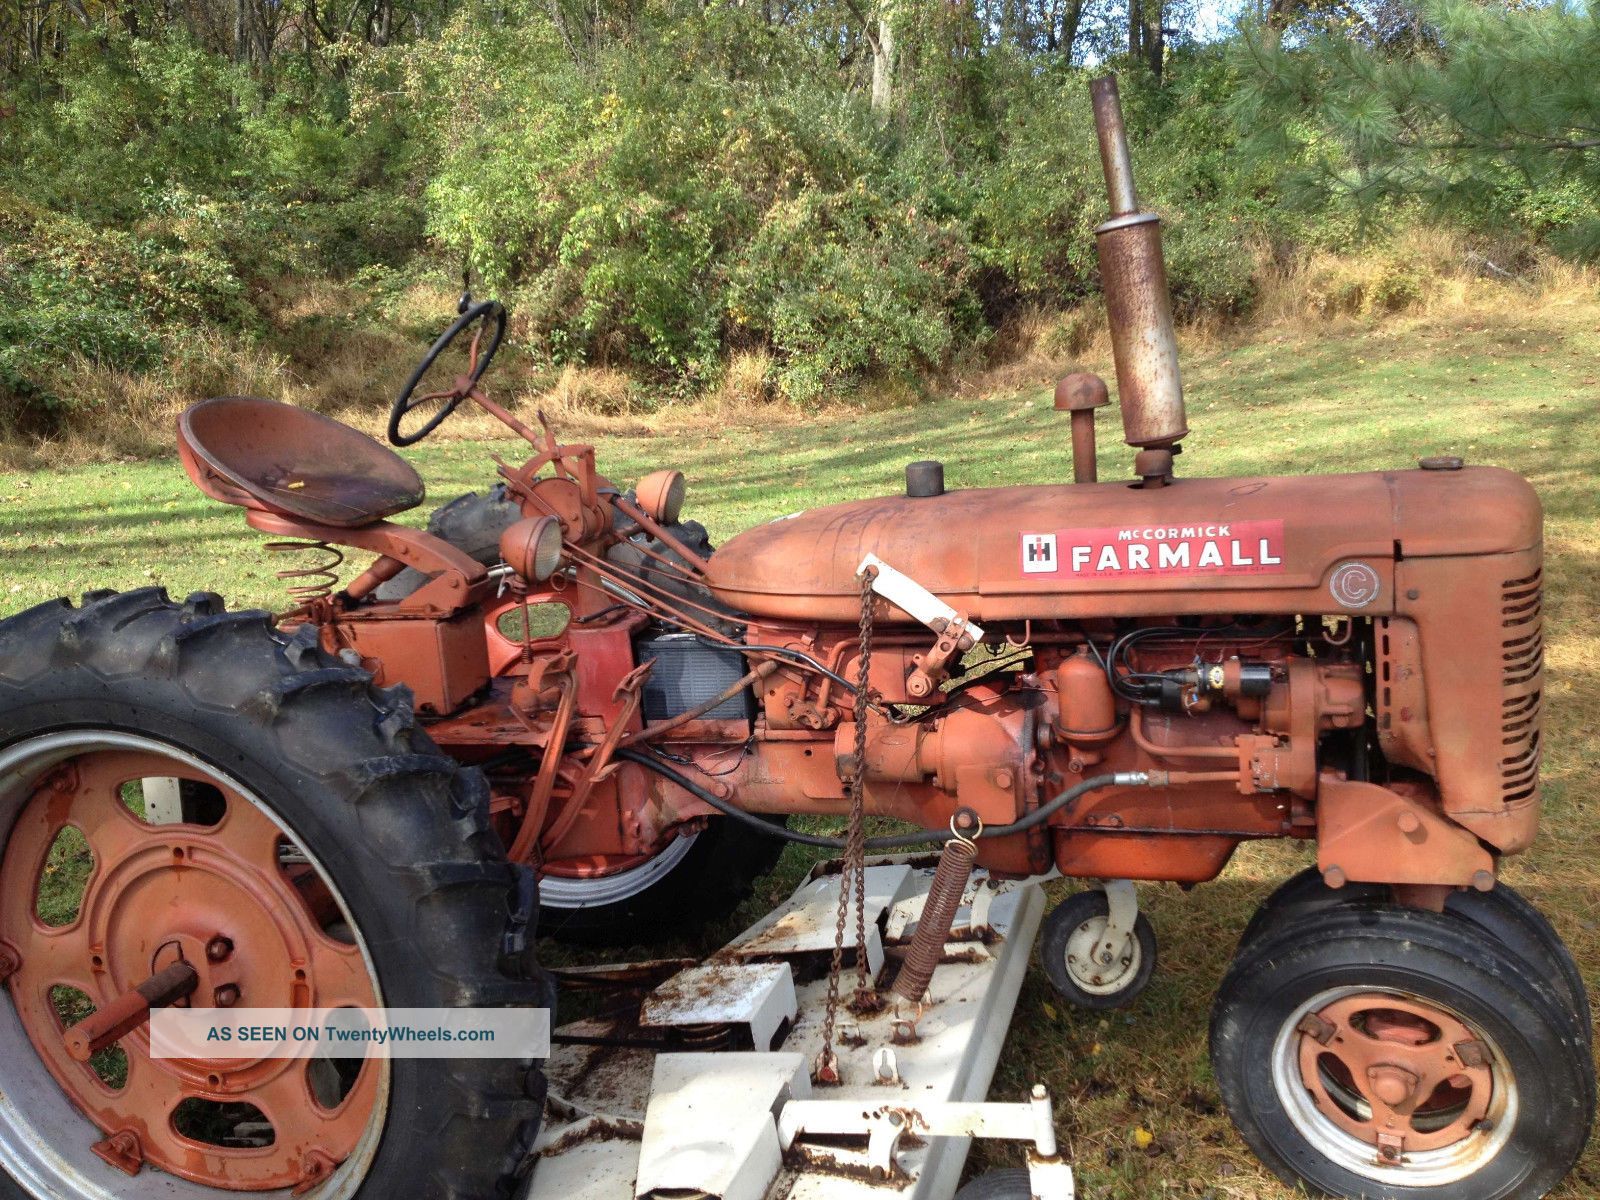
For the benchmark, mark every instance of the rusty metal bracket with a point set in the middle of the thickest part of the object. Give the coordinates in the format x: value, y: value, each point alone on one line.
x: 1122, y: 912
x: 884, y: 1126
x: 630, y: 692
x: 921, y: 604
x: 122, y: 1151
x: 933, y: 668
x: 544, y: 783
x: 130, y: 1010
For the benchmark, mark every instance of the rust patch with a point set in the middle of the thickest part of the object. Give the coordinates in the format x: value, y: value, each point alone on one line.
x: 595, y: 1129
x: 820, y: 1162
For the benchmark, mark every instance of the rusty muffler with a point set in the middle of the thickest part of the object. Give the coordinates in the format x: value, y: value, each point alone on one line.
x: 1138, y: 305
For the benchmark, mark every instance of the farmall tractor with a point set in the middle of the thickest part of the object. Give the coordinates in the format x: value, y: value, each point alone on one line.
x: 562, y: 687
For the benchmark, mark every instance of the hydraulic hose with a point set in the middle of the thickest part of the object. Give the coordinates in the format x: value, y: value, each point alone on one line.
x: 894, y: 841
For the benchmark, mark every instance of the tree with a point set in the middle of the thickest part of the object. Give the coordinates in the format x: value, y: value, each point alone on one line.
x: 1485, y: 112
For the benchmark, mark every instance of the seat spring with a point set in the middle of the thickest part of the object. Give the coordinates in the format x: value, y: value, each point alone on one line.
x: 317, y: 577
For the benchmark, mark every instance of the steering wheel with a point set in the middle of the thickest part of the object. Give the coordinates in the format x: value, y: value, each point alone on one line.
x: 488, y: 316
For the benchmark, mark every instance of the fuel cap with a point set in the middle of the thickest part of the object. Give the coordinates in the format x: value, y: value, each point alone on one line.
x: 1441, y: 462
x: 924, y: 479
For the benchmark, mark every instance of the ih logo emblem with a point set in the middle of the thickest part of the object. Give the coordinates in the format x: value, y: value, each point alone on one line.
x: 1039, y: 552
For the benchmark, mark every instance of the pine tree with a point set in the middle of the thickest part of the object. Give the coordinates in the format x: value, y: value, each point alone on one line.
x: 1491, y: 113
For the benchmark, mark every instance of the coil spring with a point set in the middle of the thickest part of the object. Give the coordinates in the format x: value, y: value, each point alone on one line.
x: 316, y: 578
x: 938, y: 915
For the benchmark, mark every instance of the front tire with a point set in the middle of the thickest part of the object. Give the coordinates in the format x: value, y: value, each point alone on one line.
x: 1395, y: 1053
x: 1502, y: 913
x: 343, y: 857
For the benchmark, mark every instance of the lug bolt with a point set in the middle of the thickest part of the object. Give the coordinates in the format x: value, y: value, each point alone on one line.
x: 226, y: 996
x: 219, y: 948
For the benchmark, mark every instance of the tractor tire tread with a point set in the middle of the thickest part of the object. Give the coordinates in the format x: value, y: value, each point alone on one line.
x: 468, y: 1133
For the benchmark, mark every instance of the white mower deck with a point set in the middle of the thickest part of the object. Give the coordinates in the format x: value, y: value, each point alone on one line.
x: 644, y: 1103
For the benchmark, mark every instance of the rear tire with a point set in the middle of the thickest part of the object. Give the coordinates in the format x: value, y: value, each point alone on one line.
x: 398, y: 833
x: 1509, y: 1127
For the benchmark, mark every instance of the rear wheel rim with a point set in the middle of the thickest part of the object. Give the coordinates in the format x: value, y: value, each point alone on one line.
x: 231, y: 878
x: 1351, y: 1063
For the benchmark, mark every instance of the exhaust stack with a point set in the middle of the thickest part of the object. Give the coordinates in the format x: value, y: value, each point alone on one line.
x: 1138, y: 305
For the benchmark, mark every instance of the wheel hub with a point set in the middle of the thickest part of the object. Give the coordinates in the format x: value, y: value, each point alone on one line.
x: 1402, y: 1075
x: 1094, y: 969
x: 224, y: 898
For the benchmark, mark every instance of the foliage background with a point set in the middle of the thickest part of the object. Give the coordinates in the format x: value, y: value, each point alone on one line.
x: 792, y: 202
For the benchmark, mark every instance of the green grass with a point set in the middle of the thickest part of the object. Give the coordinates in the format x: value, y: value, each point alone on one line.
x: 1517, y: 389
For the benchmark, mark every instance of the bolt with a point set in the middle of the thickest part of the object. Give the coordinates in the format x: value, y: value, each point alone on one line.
x: 219, y: 948
x: 226, y: 996
x: 1334, y: 877
x: 1413, y: 594
x: 1409, y: 822
x: 1483, y: 880
x: 1039, y: 1092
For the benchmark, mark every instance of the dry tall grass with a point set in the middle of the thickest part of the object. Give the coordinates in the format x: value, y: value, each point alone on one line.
x: 324, y: 352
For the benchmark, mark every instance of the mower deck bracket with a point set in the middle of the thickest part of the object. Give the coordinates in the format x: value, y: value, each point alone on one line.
x: 757, y: 995
x: 710, y: 1125
x: 628, y: 1119
x: 1122, y: 911
x: 884, y: 1125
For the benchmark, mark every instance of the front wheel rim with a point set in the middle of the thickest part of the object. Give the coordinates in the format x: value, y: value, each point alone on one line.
x: 1342, y: 1060
x: 47, y: 1138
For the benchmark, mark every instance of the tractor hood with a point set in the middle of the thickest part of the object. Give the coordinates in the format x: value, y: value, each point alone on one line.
x: 1293, y: 544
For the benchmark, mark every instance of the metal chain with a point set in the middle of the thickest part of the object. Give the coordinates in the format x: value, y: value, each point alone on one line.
x: 856, y: 837
x: 852, y: 879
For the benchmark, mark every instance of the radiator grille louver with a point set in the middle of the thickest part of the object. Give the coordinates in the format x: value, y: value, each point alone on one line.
x: 1521, y: 679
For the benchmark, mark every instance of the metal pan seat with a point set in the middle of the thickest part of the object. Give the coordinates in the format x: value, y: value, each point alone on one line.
x: 280, y: 459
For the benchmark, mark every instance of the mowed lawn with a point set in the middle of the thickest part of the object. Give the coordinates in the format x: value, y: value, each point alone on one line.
x: 1138, y: 1109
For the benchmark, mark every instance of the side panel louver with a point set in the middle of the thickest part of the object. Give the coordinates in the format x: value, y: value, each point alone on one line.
x: 1522, y: 680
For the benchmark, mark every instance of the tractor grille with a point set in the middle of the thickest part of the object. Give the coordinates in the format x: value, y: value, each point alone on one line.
x: 1522, y: 680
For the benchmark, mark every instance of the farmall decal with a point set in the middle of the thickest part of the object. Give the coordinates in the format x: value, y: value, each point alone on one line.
x: 1211, y: 548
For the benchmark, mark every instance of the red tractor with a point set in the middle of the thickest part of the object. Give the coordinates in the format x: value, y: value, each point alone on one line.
x: 561, y: 688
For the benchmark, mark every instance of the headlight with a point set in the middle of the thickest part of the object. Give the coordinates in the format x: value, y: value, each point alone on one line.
x: 532, y: 547
x: 660, y: 494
